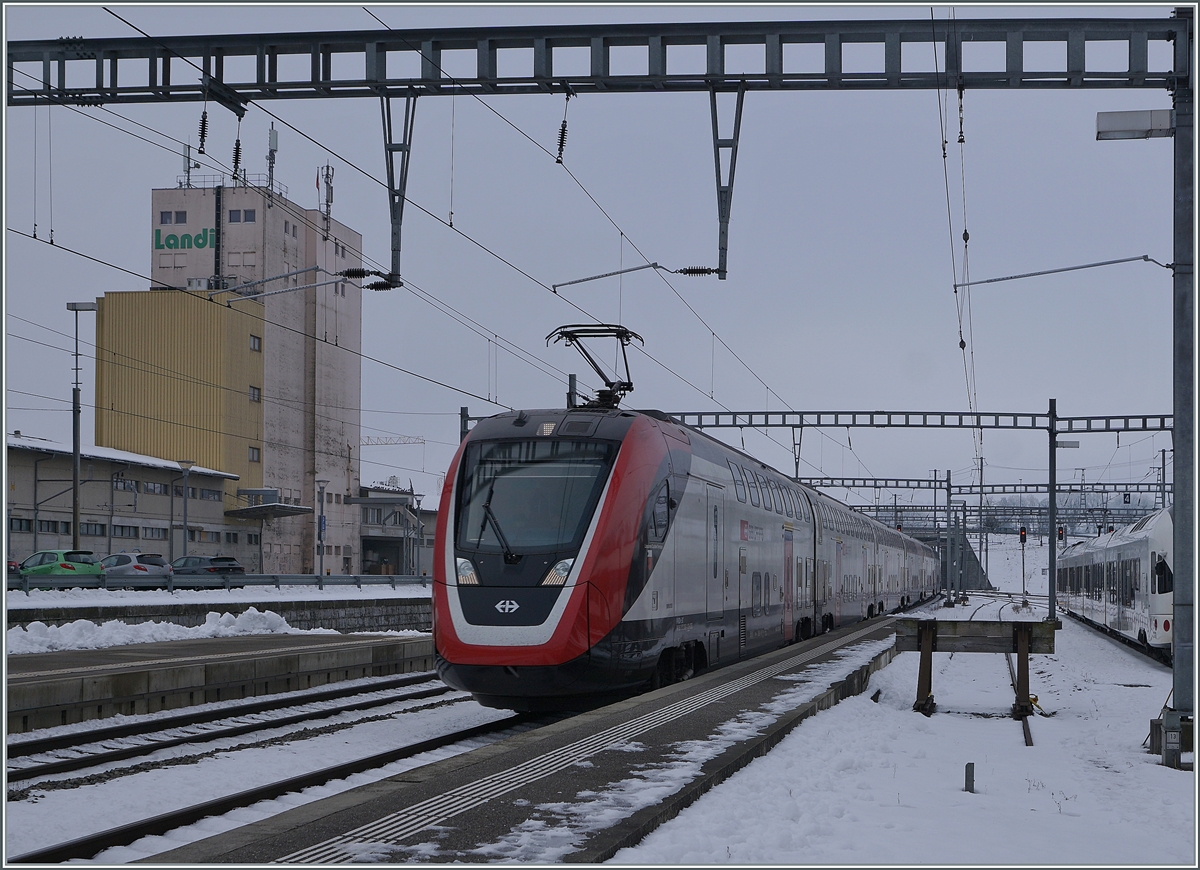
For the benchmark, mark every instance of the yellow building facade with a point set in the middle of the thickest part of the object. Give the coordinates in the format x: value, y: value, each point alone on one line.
x: 180, y: 376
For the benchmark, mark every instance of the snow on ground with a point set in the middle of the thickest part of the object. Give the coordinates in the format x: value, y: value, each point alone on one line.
x: 38, y: 637
x: 47, y: 817
x: 875, y: 783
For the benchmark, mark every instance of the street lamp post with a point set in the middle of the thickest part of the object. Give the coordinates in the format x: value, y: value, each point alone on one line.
x: 420, y: 535
x: 75, y: 412
x: 186, y: 466
x: 321, y: 484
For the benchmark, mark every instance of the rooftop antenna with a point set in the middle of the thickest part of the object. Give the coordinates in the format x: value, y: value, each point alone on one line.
x: 272, y: 147
x: 613, y: 391
x: 188, y: 164
x: 328, y: 197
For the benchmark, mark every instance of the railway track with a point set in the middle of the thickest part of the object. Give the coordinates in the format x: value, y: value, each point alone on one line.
x: 86, y: 749
x: 92, y: 844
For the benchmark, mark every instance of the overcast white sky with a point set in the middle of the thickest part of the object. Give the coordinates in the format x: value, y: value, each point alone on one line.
x: 839, y: 294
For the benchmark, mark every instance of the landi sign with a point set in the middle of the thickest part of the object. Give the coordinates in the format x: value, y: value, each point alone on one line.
x: 183, y: 240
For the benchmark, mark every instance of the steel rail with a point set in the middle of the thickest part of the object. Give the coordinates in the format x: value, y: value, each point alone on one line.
x: 92, y: 844
x: 82, y: 762
x: 146, y: 726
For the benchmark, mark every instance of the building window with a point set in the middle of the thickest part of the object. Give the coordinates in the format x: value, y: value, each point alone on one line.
x: 16, y: 524
x: 164, y: 217
x: 181, y: 217
x: 94, y: 530
x: 253, y: 538
x: 256, y: 343
x: 255, y: 394
x: 329, y: 498
x: 248, y: 216
x: 150, y: 488
x: 231, y: 537
x: 293, y: 231
x: 179, y: 491
x: 154, y: 534
x: 373, y: 516
x: 210, y: 494
x: 121, y: 483
x: 235, y: 215
x: 286, y: 227
x: 124, y: 531
x: 337, y: 549
x: 255, y: 454
x: 337, y: 498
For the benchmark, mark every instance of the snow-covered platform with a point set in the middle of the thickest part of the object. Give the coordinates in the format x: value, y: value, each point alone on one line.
x: 58, y: 688
x: 576, y: 790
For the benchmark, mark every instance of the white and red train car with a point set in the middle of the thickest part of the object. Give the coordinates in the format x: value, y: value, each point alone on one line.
x: 586, y: 553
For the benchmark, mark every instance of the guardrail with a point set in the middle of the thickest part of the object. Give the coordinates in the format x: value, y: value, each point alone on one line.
x: 212, y: 581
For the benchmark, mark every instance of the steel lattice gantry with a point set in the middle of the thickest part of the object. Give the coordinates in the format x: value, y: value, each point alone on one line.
x: 387, y: 64
x: 972, y: 489
x: 193, y: 68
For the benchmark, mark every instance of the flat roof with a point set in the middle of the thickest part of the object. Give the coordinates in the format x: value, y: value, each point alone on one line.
x: 18, y: 441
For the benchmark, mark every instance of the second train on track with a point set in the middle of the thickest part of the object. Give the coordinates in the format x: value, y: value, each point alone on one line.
x: 586, y: 553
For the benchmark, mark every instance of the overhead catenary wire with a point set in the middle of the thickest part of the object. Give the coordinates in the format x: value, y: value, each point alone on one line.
x: 624, y: 236
x: 483, y: 247
x: 301, y: 217
x: 138, y: 364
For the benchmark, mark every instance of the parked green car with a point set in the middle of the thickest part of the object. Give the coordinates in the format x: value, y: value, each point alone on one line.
x: 67, y: 563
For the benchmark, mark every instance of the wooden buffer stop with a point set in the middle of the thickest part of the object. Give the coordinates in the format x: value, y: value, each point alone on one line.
x: 928, y: 636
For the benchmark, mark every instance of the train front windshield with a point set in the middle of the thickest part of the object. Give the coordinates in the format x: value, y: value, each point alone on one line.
x: 530, y: 496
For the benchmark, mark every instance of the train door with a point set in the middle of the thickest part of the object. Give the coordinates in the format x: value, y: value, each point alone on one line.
x: 716, y: 574
x: 789, y: 624
x: 733, y: 597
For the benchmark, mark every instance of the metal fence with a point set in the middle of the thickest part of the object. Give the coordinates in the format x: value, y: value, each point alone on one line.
x: 212, y: 581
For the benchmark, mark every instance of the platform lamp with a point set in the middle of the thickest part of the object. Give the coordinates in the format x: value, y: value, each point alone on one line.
x: 321, y: 484
x: 185, y: 466
x: 75, y: 412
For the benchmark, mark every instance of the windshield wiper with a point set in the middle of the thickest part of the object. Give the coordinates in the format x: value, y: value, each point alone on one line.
x: 510, y: 558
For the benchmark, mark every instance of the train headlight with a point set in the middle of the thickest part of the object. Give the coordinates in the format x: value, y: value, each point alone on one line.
x: 557, y: 575
x: 466, y: 573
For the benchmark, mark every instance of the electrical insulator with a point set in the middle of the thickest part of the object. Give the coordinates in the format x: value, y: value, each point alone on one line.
x: 355, y: 273
x: 203, y: 130
x: 696, y: 271
x: 1022, y: 534
x: 237, y: 156
x: 562, y: 140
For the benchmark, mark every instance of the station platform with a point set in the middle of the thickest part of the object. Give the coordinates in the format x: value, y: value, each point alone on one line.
x: 59, y: 688
x: 590, y: 784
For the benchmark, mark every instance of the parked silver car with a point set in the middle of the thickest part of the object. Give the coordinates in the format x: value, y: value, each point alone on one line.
x: 142, y: 568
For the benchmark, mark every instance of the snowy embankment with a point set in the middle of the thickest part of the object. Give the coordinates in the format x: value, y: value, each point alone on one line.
x: 83, y: 634
x: 16, y: 600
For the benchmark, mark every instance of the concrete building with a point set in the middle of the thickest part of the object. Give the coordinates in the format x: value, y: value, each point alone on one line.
x: 244, y: 355
x: 397, y: 531
x: 127, y: 501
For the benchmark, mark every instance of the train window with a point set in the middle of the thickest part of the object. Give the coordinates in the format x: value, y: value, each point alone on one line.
x: 787, y: 500
x: 766, y: 492
x: 802, y: 505
x: 1162, y: 573
x: 756, y: 592
x: 753, y: 485
x: 775, y: 496
x: 739, y: 485
x: 532, y: 495
x: 661, y: 514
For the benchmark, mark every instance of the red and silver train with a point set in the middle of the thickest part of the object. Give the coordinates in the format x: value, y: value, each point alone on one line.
x: 588, y: 553
x: 1123, y: 581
